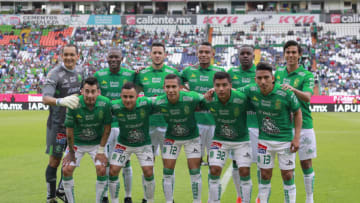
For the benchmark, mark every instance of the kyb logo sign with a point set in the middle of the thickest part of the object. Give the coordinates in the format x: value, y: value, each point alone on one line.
x: 296, y: 19
x: 159, y: 20
x: 220, y: 19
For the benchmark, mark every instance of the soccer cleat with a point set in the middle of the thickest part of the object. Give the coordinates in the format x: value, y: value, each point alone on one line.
x: 128, y: 200
x: 105, y: 200
x: 238, y: 200
x: 61, y: 195
x: 144, y: 201
x: 257, y: 200
x: 52, y: 200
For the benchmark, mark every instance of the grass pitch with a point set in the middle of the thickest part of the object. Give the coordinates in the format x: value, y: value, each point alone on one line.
x: 23, y: 164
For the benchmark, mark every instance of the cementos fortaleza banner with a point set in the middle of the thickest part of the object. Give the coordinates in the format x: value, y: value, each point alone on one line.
x: 158, y: 20
x: 61, y: 19
x: 250, y: 19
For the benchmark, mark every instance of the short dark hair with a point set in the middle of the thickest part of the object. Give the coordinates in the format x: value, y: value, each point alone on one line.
x: 157, y: 44
x: 71, y: 45
x: 206, y: 44
x: 90, y: 81
x: 264, y: 66
x: 172, y: 76
x: 222, y: 75
x: 128, y: 86
x: 292, y: 43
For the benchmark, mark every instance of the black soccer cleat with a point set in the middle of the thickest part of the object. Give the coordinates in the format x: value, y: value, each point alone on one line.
x: 105, y: 200
x: 128, y: 200
x: 144, y: 201
x: 52, y: 200
x: 61, y: 195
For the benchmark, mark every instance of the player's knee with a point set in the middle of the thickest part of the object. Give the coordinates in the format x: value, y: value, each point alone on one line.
x: 148, y: 171
x: 306, y: 164
x: 54, y: 162
x: 265, y: 175
x: 114, y: 171
x: 67, y: 170
x: 100, y: 170
x: 215, y: 170
x: 287, y: 175
x: 244, y: 171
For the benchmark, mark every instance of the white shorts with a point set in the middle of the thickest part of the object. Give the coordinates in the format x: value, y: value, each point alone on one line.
x: 220, y: 150
x: 172, y: 148
x: 307, y: 148
x: 206, y: 133
x: 122, y: 153
x: 111, y: 140
x: 254, y: 139
x: 81, y: 150
x: 267, y: 151
x: 157, y: 135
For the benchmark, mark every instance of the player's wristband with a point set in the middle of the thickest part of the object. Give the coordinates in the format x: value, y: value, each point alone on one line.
x: 100, y: 150
x: 58, y: 102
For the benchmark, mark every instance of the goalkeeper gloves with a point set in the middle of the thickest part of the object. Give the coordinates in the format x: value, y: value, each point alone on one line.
x: 71, y: 101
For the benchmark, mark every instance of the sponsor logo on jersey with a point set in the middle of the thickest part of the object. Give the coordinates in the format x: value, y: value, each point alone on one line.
x: 238, y: 101
x: 156, y: 80
x: 235, y: 78
x: 186, y: 98
x: 145, y: 78
x: 246, y: 80
x: 255, y: 98
x: 186, y: 109
x: 224, y: 112
x: 169, y: 141
x: 120, y: 115
x: 215, y: 145
x: 142, y: 113
x: 281, y: 93
x: 175, y: 111
x: 101, y: 114
x: 269, y: 126
x: 114, y: 84
x: 204, y: 78
x: 89, y: 117
x: 131, y: 116
x: 212, y: 109
x: 78, y: 116
x: 296, y: 82
x: 126, y: 74
x: 60, y: 138
x: 193, y: 75
x: 119, y: 148
x: 72, y: 79
x: 265, y: 103
x: 262, y: 149
x: 236, y: 112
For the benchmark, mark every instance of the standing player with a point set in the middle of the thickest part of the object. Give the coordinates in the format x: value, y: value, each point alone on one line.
x: 231, y: 136
x: 178, y: 108
x: 199, y: 79
x: 87, y: 129
x: 151, y: 80
x: 61, y: 83
x: 111, y: 80
x: 295, y: 78
x: 133, y: 115
x: 242, y: 76
x: 274, y: 107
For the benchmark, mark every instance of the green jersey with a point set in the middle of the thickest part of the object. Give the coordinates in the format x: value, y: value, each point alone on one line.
x: 230, y: 118
x: 241, y: 78
x: 180, y: 117
x: 273, y: 112
x: 200, y: 80
x: 89, y: 124
x: 152, y: 82
x: 134, y: 124
x: 111, y: 83
x: 302, y: 80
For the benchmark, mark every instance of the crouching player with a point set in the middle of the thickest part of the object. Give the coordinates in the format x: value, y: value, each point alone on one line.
x: 178, y: 108
x: 132, y: 113
x: 87, y: 129
x: 274, y: 107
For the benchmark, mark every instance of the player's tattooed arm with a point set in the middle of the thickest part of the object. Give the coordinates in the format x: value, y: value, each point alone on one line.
x: 298, y: 124
x: 70, y: 157
x: 100, y: 155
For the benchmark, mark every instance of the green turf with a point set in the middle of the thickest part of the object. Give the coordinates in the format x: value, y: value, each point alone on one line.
x: 23, y: 164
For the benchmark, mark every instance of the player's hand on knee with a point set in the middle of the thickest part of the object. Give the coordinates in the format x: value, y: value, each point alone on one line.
x: 71, y: 101
x: 294, y: 145
x: 102, y: 158
x: 70, y: 157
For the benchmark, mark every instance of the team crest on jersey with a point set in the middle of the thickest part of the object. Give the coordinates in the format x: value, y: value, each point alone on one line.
x: 215, y: 145
x: 79, y: 78
x: 228, y: 131
x: 236, y: 112
x: 142, y: 113
x: 180, y: 130
x: 136, y: 136
x: 169, y: 141
x: 119, y: 148
x: 278, y: 104
x: 186, y: 109
x: 60, y: 138
x: 101, y: 114
x: 269, y: 126
x: 296, y: 82
x: 262, y: 149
